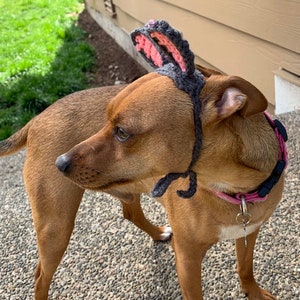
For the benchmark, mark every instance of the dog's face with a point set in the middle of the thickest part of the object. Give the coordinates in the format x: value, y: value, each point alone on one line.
x: 150, y: 130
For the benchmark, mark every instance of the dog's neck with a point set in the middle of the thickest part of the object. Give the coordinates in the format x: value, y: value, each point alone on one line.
x: 266, y: 175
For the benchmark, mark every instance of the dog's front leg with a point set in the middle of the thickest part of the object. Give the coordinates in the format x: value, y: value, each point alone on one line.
x: 189, y: 256
x: 245, y: 269
x: 54, y: 202
x: 133, y: 212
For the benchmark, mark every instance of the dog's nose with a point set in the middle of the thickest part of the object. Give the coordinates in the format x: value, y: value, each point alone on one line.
x: 63, y: 163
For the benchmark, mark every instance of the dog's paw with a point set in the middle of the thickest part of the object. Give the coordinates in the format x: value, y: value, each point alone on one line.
x: 259, y: 294
x: 166, y: 234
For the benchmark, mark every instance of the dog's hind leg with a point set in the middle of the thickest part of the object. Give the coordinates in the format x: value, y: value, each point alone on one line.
x: 54, y: 202
x: 133, y: 212
x: 245, y: 269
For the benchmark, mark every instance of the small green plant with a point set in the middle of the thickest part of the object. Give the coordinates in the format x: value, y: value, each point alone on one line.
x: 43, y: 58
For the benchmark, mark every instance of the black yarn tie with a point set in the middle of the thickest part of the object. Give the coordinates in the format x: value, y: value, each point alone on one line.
x: 192, y: 85
x: 163, y: 184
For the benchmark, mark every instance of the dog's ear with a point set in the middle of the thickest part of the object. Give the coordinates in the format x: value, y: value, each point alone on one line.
x: 239, y: 95
x: 206, y: 71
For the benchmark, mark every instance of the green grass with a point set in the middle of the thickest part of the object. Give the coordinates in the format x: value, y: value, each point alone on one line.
x: 43, y: 57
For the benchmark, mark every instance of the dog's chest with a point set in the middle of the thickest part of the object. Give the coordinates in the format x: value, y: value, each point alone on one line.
x: 236, y: 231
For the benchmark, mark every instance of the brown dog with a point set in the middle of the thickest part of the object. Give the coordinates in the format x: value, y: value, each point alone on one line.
x: 149, y: 132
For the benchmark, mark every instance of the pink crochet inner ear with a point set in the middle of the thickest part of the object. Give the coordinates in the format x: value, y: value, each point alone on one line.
x: 142, y: 43
x: 171, y: 48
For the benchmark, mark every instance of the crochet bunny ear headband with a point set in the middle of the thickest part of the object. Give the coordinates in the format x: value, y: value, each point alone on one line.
x: 164, y: 49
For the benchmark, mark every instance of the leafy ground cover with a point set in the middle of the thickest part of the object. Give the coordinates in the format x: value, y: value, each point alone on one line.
x: 43, y: 56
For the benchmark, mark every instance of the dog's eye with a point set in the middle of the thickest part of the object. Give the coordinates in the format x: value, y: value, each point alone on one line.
x: 121, y: 135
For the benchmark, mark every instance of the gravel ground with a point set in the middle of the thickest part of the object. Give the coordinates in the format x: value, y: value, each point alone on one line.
x: 109, y: 258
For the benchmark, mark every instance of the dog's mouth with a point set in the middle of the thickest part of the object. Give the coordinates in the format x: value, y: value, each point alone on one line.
x: 111, y: 185
x: 106, y: 186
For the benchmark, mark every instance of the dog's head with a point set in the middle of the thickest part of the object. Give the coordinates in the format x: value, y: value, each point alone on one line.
x: 146, y: 134
x: 150, y: 129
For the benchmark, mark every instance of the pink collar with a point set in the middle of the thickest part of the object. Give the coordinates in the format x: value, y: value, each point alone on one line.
x: 264, y: 189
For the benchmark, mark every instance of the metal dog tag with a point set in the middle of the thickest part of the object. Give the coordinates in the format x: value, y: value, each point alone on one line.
x: 243, y: 217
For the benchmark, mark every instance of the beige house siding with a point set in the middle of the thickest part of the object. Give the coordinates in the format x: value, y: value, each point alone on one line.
x: 252, y: 39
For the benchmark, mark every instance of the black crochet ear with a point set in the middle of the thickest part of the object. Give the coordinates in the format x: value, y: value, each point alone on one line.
x: 160, y: 44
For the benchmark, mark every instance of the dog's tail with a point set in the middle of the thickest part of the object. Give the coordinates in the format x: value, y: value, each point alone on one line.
x: 15, y: 142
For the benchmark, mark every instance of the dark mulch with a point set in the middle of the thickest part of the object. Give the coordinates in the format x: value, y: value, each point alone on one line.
x: 112, y: 62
